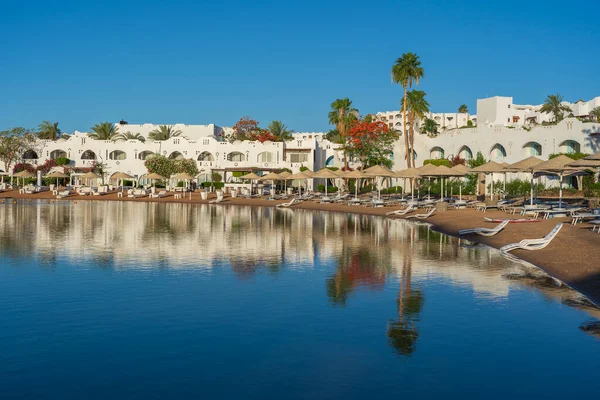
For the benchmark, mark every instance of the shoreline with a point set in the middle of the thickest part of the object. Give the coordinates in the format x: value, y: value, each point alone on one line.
x: 573, y: 257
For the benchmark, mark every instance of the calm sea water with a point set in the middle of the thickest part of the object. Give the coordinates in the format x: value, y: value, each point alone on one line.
x: 106, y: 300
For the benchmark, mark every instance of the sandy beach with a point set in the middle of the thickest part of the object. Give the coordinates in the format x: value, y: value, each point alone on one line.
x: 573, y: 257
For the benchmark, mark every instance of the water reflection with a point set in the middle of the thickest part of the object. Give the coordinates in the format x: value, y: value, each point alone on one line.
x: 359, y: 253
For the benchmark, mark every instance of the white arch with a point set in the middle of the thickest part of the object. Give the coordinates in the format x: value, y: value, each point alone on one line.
x: 88, y: 155
x: 570, y: 147
x: 236, y: 156
x: 30, y: 155
x: 176, y: 156
x: 206, y: 156
x: 532, y: 149
x: 436, y: 153
x: 58, y: 154
x: 497, y: 152
x: 146, y: 155
x: 465, y: 152
x: 117, y: 155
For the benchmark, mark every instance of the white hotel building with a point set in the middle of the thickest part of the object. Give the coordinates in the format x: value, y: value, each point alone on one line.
x: 504, y: 132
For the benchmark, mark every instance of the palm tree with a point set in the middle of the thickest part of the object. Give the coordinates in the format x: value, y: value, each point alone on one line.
x: 430, y: 127
x: 280, y: 131
x: 553, y: 105
x: 342, y: 114
x: 463, y: 109
x: 406, y: 71
x: 417, y: 107
x: 596, y: 113
x: 49, y: 130
x: 164, y: 132
x: 130, y: 136
x: 104, y: 131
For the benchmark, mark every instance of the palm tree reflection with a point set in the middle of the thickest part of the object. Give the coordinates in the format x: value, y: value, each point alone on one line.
x: 402, y: 334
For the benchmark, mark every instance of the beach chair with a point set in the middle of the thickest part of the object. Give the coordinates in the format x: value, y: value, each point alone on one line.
x: 422, y: 216
x: 84, y: 191
x: 102, y: 190
x: 161, y: 194
x: 533, y: 244
x: 485, y: 231
x: 340, y: 198
x: 218, y: 199
x: 401, y: 212
x: 288, y: 204
x: 63, y: 194
x: 595, y: 225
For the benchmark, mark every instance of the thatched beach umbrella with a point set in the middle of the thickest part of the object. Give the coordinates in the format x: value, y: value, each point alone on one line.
x: 184, y: 176
x: 356, y: 174
x: 251, y: 177
x: 379, y: 171
x: 272, y: 176
x: 90, y: 175
x: 412, y: 174
x: 442, y: 171
x: 490, y: 168
x: 24, y: 174
x: 154, y: 177
x: 299, y: 176
x: 326, y: 173
x: 526, y: 165
x: 557, y: 166
x: 58, y: 175
x: 285, y: 175
x: 121, y: 176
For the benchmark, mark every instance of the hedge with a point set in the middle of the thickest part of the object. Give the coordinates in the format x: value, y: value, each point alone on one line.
x: 330, y: 189
x: 437, y: 162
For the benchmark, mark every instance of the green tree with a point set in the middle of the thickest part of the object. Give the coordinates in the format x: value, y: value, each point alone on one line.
x: 280, y: 131
x: 553, y: 105
x: 13, y: 143
x: 406, y: 71
x: 49, y: 130
x: 164, y: 132
x: 104, y: 131
x: 130, y: 136
x: 341, y: 115
x: 417, y: 107
x: 595, y: 113
x: 477, y: 161
x: 430, y: 127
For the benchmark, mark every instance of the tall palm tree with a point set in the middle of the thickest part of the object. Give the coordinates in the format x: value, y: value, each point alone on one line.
x: 280, y: 130
x: 164, y: 132
x: 463, y: 109
x: 130, y: 136
x: 406, y: 71
x: 49, y: 130
x: 104, y: 131
x: 342, y: 115
x: 553, y: 105
x: 417, y: 107
x: 596, y: 113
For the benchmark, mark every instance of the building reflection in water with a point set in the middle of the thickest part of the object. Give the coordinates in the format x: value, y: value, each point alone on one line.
x: 368, y: 252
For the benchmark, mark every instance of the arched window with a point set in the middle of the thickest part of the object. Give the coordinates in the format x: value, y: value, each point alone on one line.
x: 465, y: 153
x: 436, y: 153
x: 570, y: 147
x: 30, y: 155
x: 398, y: 123
x: 175, y: 156
x: 58, y: 154
x: 498, y: 152
x: 532, y: 149
x: 236, y: 156
x: 88, y: 155
x: 206, y: 156
x: 146, y: 155
x: 329, y: 162
x: 117, y: 155
x: 265, y: 157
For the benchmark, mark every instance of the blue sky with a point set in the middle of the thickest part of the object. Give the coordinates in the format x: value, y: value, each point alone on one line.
x: 202, y: 62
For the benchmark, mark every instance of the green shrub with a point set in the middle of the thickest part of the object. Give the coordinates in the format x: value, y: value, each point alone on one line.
x: 574, y: 156
x: 592, y: 190
x: 469, y: 123
x: 216, y: 185
x: 330, y: 189
x: 239, y: 174
x: 392, y: 190
x: 439, y: 162
x: 367, y: 188
x: 62, y: 161
x: 128, y: 182
x: 302, y: 169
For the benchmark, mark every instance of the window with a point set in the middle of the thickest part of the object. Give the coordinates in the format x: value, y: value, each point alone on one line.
x: 298, y: 157
x: 265, y: 157
x: 205, y: 142
x: 509, y: 106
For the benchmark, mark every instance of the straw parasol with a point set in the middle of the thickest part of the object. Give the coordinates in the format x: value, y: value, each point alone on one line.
x: 272, y: 176
x: 58, y: 175
x: 299, y: 176
x: 490, y: 168
x: 557, y: 166
x: 379, y: 171
x: 251, y: 177
x: 412, y: 174
x: 184, y: 176
x: 326, y: 173
x: 90, y: 175
x: 442, y: 171
x: 25, y: 174
x: 356, y: 174
x: 121, y: 176
x: 526, y: 165
x: 592, y: 161
x: 154, y: 177
x: 285, y: 175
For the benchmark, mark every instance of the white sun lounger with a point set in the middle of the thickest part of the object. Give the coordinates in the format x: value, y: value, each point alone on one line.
x: 218, y: 199
x: 63, y: 194
x: 161, y: 194
x: 533, y: 244
x: 288, y: 204
x: 422, y: 216
x: 401, y: 212
x: 485, y: 231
